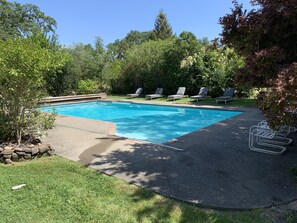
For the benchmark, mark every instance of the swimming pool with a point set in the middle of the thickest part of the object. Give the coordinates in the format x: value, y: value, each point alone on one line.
x: 152, y: 123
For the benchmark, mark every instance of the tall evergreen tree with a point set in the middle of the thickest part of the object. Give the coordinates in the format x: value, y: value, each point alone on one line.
x: 162, y: 28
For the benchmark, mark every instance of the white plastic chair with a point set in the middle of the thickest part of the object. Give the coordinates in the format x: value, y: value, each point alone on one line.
x: 262, y: 139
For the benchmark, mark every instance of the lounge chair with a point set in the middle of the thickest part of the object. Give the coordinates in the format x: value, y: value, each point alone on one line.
x: 179, y: 94
x: 201, y: 95
x: 136, y: 94
x: 228, y: 95
x: 265, y: 140
x: 158, y: 94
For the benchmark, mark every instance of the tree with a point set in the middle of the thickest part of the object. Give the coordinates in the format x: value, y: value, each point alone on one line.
x: 21, y: 20
x: 112, y: 75
x: 86, y: 63
x: 24, y: 63
x: 144, y: 66
x: 171, y: 63
x: 184, y: 45
x: 65, y: 81
x: 135, y: 37
x: 267, y: 38
x: 213, y: 67
x: 162, y: 28
x: 99, y: 47
x: 118, y: 48
x: 279, y: 102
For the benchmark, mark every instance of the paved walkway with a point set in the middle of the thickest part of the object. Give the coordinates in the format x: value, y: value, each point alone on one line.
x: 215, y: 170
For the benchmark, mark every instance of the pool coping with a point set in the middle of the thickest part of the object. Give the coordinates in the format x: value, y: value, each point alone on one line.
x: 158, y: 103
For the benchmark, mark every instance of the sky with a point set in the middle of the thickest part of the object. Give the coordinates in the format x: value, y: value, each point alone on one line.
x: 80, y: 21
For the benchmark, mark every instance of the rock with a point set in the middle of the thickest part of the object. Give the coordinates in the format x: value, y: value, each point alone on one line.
x: 7, y: 161
x: 6, y: 156
x: 44, y: 148
x: 27, y: 150
x: 18, y: 149
x: 45, y: 154
x: 14, y: 157
x: 35, y: 141
x: 34, y: 151
x: 27, y: 156
x: 50, y: 152
x: 20, y: 154
x: 21, y: 159
x: 10, y: 152
x: 7, y: 151
x: 8, y: 148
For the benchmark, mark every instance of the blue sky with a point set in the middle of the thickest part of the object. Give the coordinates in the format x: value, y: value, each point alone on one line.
x: 81, y: 21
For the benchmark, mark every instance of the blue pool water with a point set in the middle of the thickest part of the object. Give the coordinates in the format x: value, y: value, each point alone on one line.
x: 152, y: 123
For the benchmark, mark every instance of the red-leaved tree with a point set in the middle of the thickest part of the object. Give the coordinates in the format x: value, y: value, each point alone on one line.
x: 267, y: 37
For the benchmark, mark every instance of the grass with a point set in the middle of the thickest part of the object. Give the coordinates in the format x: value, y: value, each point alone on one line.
x: 58, y: 190
x: 241, y: 102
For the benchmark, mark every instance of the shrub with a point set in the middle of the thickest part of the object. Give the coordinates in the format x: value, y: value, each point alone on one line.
x: 24, y: 63
x: 264, y: 35
x: 279, y: 103
x: 213, y: 67
x: 87, y: 86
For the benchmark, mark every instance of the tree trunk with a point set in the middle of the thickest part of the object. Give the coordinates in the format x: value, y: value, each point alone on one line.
x: 18, y: 135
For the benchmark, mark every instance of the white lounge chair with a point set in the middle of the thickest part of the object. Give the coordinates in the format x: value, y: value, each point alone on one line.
x: 201, y: 95
x: 179, y: 94
x: 158, y: 94
x: 228, y: 95
x: 136, y: 94
x: 263, y: 139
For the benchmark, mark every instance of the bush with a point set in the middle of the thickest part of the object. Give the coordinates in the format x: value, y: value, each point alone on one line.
x: 112, y: 75
x: 213, y: 67
x: 6, y: 127
x: 24, y: 64
x: 87, y: 86
x: 38, y: 123
x: 279, y: 102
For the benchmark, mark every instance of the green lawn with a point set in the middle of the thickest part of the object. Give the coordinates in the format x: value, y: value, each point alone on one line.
x: 59, y: 190
x: 242, y: 102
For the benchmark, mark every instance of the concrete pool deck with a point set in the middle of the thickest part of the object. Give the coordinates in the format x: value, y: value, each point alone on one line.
x: 216, y: 169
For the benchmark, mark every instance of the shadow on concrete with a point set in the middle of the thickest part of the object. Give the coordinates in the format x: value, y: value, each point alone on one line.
x: 216, y: 170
